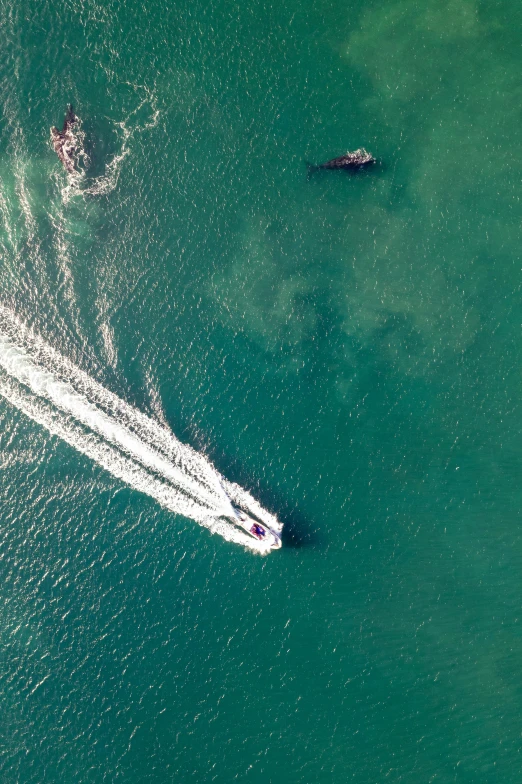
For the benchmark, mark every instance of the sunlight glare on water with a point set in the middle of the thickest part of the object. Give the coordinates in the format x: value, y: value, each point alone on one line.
x: 346, y: 348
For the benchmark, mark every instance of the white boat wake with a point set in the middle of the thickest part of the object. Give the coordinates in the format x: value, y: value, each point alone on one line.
x: 56, y: 394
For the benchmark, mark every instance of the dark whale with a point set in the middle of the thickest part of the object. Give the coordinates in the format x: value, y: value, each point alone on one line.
x: 64, y: 141
x: 352, y: 161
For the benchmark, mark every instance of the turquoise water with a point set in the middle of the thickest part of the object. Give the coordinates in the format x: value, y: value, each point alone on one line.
x: 346, y: 348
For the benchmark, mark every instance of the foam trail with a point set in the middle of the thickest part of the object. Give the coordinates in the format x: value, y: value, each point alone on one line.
x: 149, y: 432
x: 123, y: 468
x: 172, y: 472
x: 63, y: 395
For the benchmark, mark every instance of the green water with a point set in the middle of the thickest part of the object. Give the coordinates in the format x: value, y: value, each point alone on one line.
x: 348, y: 348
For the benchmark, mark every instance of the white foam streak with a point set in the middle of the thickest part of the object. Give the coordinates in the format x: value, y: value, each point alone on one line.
x: 150, y: 433
x: 79, y: 181
x: 127, y: 443
x: 64, y: 397
x: 121, y: 467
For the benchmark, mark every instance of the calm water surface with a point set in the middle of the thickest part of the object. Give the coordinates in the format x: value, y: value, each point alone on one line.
x: 348, y: 348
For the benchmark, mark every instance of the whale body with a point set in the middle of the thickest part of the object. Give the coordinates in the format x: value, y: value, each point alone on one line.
x: 64, y: 141
x: 351, y: 161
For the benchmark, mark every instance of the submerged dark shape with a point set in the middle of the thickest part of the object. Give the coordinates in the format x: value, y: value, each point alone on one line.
x: 64, y: 141
x: 352, y: 161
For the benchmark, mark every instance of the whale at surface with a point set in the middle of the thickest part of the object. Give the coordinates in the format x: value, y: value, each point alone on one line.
x: 64, y: 141
x: 351, y: 161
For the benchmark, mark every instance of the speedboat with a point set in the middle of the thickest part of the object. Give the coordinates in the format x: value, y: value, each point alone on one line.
x: 259, y: 531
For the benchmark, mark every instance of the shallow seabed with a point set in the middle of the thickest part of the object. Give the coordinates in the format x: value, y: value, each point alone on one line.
x: 347, y: 348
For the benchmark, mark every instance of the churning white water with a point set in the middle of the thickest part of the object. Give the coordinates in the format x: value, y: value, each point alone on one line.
x: 55, y: 393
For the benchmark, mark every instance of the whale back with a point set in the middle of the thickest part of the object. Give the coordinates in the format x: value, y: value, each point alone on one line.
x: 70, y: 119
x: 351, y: 161
x: 64, y: 141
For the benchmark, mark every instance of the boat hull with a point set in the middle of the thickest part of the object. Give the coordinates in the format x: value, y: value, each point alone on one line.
x: 257, y: 530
